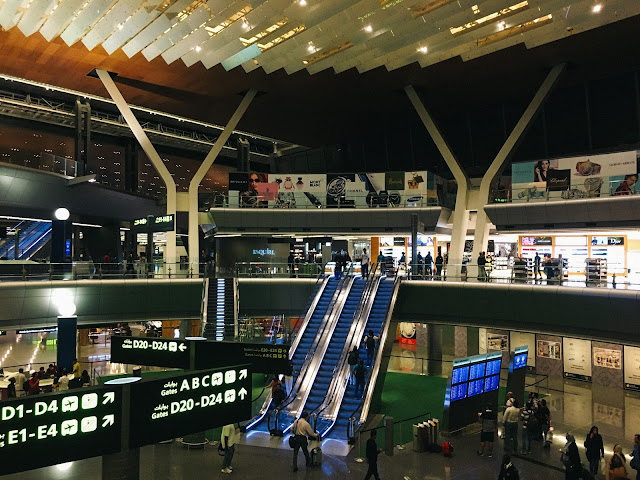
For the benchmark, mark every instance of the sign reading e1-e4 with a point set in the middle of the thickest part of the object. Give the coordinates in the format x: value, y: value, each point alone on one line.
x: 188, y: 403
x: 151, y: 351
x: 42, y: 430
x: 163, y: 223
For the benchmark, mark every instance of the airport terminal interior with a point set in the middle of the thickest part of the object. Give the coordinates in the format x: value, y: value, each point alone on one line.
x: 392, y: 239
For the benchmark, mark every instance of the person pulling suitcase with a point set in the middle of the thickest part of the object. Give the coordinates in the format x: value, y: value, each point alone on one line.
x: 301, y: 430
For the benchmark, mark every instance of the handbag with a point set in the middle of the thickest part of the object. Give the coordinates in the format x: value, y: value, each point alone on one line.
x: 293, y: 441
x: 564, y: 459
x: 618, y: 472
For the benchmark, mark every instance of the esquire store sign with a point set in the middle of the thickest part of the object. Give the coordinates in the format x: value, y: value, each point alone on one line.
x: 188, y: 403
x: 42, y: 430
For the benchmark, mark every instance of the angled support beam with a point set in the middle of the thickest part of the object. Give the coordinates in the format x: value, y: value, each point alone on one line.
x: 194, y: 238
x: 170, y: 255
x: 461, y: 212
x: 481, y: 236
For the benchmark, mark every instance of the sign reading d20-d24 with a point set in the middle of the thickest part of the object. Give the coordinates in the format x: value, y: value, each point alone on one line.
x: 42, y: 430
x: 178, y: 405
x: 160, y: 352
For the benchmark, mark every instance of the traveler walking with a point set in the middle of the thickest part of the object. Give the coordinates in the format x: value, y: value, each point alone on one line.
x: 544, y: 417
x: 381, y: 264
x: 277, y: 395
x: 536, y: 266
x: 510, y: 419
x: 508, y: 470
x: 527, y: 415
x: 439, y: 263
x: 352, y: 360
x: 372, y: 456
x: 402, y: 262
x: 360, y: 373
x: 76, y: 368
x: 339, y: 261
x: 370, y: 342
x: 594, y: 449
x: 635, y: 460
x: 301, y: 430
x: 11, y: 388
x: 428, y: 263
x: 489, y: 421
x: 482, y: 272
x: 571, y: 459
x: 617, y: 464
x: 20, y: 380
x: 228, y: 442
x: 364, y: 263
x: 34, y: 384
x: 420, y: 264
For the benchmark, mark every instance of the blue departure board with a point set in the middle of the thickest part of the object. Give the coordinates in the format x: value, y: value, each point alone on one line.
x: 459, y: 375
x: 458, y: 392
x: 520, y: 361
x: 476, y: 387
x: 476, y: 371
x: 493, y: 367
x: 491, y: 383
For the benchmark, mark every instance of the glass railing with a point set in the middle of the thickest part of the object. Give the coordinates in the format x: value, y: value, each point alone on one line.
x: 537, y: 192
x: 52, y: 163
x: 279, y: 270
x: 301, y: 200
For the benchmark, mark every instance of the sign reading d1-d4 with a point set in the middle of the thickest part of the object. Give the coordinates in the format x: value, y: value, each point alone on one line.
x: 159, y: 352
x: 188, y: 403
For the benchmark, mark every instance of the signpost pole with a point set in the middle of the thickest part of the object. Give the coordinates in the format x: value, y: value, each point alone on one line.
x: 125, y: 464
x: 67, y: 333
x: 150, y: 220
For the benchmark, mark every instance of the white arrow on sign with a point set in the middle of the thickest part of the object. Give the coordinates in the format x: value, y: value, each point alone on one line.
x: 109, y: 397
x: 242, y: 393
x: 243, y: 373
x: 182, y: 347
x: 108, y: 420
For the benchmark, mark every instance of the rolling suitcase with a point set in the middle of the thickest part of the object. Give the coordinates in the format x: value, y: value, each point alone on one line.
x: 316, y: 457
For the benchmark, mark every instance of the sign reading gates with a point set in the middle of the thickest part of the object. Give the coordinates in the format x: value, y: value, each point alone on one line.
x: 160, y: 352
x: 164, y: 223
x: 263, y: 358
x: 188, y: 403
x: 42, y: 430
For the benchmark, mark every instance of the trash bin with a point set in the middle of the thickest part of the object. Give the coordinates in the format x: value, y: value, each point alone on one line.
x: 137, y: 372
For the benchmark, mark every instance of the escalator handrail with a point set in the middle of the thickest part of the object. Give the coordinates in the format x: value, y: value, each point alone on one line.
x: 378, y: 349
x: 342, y: 364
x: 309, y: 313
x: 307, y: 360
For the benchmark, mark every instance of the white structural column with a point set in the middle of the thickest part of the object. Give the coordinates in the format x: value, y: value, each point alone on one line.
x: 481, y: 234
x: 145, y: 143
x: 194, y: 237
x: 461, y: 212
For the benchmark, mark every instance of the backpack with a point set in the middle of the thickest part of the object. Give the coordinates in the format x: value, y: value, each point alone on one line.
x: 26, y: 386
x: 353, y: 358
x: 634, y: 463
x: 359, y: 373
x: 447, y: 449
x: 371, y: 343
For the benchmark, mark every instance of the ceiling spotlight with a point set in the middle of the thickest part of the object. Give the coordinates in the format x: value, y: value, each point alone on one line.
x: 368, y: 28
x: 501, y: 26
x: 596, y: 8
x: 311, y: 48
x: 244, y: 23
x: 120, y: 26
x: 302, y: 3
x: 423, y: 50
x: 198, y: 48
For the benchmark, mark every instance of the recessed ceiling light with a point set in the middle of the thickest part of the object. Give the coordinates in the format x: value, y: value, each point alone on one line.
x: 302, y: 3
x: 501, y: 26
x: 311, y: 48
x: 368, y: 28
x: 120, y: 26
x: 244, y: 23
x: 596, y: 8
x: 198, y: 48
x: 423, y: 49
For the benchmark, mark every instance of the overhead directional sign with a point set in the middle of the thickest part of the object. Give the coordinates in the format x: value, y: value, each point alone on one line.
x: 164, y: 223
x: 42, y: 430
x: 263, y: 357
x: 188, y: 403
x: 160, y: 352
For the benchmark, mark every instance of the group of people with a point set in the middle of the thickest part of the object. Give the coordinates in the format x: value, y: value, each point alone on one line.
x: 342, y: 259
x: 356, y: 364
x: 20, y: 385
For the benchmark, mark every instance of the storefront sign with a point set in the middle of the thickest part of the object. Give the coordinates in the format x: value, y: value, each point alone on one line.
x: 535, y: 241
x: 42, y: 430
x: 25, y: 331
x: 164, y: 223
x: 263, y: 358
x: 155, y: 352
x: 631, y: 368
x: 577, y: 358
x: 182, y: 404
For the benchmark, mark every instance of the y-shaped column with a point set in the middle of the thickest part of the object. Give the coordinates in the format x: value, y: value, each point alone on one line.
x: 202, y: 171
x: 145, y: 143
x: 461, y: 212
x: 481, y: 236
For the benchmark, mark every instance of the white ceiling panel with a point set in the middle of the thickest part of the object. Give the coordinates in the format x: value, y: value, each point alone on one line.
x: 10, y: 12
x: 112, y: 21
x: 35, y: 16
x: 143, y: 17
x: 191, y: 42
x: 60, y: 18
x: 87, y: 17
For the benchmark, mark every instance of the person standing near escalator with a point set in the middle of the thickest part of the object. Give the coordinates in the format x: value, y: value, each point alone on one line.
x: 364, y: 263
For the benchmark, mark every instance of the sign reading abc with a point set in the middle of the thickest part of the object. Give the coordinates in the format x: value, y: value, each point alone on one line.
x: 263, y: 358
x: 42, y: 430
x: 160, y: 352
x: 188, y: 403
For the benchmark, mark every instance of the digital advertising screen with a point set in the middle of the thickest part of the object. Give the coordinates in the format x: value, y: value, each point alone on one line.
x: 520, y: 361
x: 181, y: 404
x: 476, y: 387
x: 476, y: 371
x: 459, y: 375
x: 491, y: 383
x: 42, y: 430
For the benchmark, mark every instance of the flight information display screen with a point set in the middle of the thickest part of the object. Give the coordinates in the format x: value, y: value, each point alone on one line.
x: 459, y: 375
x: 475, y: 375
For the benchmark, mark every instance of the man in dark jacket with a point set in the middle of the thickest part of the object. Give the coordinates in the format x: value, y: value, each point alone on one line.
x: 594, y: 449
x: 372, y: 456
x: 360, y: 373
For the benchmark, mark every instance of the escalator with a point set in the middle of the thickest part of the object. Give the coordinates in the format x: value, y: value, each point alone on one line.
x: 221, y: 309
x: 334, y: 350
x: 33, y: 235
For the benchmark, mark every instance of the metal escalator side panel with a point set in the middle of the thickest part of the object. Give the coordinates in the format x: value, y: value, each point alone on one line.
x: 204, y: 306
x: 307, y: 317
x: 382, y: 342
